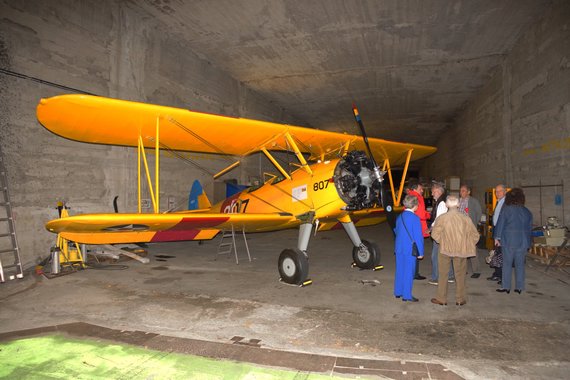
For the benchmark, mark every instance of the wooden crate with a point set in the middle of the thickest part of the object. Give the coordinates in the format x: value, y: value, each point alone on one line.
x: 544, y: 254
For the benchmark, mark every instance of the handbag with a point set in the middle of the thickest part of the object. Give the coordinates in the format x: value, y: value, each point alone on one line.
x: 497, y: 260
x: 415, y: 251
x: 490, y: 257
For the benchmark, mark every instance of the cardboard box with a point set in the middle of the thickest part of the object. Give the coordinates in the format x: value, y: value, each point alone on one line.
x: 555, y: 232
x: 550, y: 241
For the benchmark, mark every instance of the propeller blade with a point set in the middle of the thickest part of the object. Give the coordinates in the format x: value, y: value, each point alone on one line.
x: 379, y: 175
x: 363, y: 131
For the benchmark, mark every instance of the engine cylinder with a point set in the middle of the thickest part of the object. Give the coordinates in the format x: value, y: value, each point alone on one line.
x: 356, y: 182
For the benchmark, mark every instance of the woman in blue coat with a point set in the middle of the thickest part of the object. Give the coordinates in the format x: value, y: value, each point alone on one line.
x: 513, y: 234
x: 408, y: 230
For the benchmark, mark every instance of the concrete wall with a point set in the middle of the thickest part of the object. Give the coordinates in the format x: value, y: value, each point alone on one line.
x: 109, y: 48
x: 517, y: 129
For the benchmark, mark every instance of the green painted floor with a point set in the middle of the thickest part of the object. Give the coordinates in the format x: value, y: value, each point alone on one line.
x: 59, y: 357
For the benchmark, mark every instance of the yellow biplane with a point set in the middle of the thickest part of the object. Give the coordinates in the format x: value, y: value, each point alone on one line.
x: 334, y: 184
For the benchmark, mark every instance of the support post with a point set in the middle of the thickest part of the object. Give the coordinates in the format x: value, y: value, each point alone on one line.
x: 139, y: 173
x: 157, y: 166
x: 150, y: 187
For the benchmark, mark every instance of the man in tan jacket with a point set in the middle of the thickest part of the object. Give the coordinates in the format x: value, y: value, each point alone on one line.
x: 457, y: 237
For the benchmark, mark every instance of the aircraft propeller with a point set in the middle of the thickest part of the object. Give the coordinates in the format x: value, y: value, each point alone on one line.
x: 385, y: 201
x: 378, y: 174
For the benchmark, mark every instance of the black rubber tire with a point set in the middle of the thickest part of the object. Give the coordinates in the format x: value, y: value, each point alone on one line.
x: 293, y: 266
x: 366, y: 260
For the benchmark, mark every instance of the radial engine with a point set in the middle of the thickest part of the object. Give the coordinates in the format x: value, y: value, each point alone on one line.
x: 358, y: 181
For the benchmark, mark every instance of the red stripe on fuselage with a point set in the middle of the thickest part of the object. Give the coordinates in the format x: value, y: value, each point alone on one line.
x: 188, y: 228
x: 174, y: 235
x: 199, y: 223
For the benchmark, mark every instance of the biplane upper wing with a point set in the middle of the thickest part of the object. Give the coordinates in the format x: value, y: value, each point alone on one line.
x: 118, y: 122
x: 139, y: 228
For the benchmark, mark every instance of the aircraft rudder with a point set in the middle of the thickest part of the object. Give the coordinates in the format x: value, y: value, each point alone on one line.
x: 197, y: 199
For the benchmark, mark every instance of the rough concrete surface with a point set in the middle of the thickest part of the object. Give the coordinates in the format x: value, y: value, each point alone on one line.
x: 516, y: 130
x: 486, y: 81
x: 196, y: 293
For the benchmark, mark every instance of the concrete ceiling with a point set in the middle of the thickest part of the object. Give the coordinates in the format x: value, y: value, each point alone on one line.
x: 410, y: 66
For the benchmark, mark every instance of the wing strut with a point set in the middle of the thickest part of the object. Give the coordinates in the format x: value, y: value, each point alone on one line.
x: 154, y: 191
x: 227, y: 169
x: 401, y: 190
x: 274, y: 162
x: 345, y: 148
x: 298, y: 153
x: 386, y: 168
x: 157, y: 164
x: 207, y: 143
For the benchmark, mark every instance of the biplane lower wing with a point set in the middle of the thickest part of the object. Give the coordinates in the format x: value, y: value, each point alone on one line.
x: 361, y: 218
x: 148, y: 228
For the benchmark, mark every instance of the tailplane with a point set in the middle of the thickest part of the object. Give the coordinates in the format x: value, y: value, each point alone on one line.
x: 198, y: 200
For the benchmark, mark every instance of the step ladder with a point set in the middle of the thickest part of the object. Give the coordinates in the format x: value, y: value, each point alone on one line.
x: 225, y: 248
x: 10, y: 262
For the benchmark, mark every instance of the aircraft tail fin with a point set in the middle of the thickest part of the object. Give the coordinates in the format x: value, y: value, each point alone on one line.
x: 198, y: 199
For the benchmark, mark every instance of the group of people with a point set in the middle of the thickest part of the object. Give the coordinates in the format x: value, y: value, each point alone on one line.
x: 452, y: 227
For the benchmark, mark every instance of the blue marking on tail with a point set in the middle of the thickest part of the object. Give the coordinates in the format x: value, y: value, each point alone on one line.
x: 194, y: 193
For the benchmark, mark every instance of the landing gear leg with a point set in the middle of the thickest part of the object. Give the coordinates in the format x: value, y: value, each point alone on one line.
x: 293, y: 263
x: 365, y: 254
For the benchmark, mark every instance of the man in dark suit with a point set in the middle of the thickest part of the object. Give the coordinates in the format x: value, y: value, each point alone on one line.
x: 513, y: 233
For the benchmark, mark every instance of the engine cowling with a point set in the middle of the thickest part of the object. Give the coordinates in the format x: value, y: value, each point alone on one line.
x: 358, y: 182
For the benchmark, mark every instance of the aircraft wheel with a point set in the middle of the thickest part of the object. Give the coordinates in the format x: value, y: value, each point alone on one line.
x: 366, y: 259
x: 293, y: 266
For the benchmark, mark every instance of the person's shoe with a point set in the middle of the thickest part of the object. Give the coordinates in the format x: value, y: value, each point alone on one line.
x: 461, y: 303
x: 518, y: 291
x: 501, y: 290
x: 398, y: 296
x: 451, y: 280
x: 438, y: 302
x: 432, y: 282
x: 475, y: 275
x: 493, y: 278
x: 419, y: 277
x: 413, y: 299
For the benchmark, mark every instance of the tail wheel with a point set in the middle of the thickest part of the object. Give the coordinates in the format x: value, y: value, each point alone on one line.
x: 293, y: 266
x: 366, y: 256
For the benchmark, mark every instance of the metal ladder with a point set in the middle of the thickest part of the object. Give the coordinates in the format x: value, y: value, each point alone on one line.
x: 225, y: 248
x: 9, y: 250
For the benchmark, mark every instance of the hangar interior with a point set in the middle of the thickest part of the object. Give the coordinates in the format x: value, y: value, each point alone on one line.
x: 486, y: 82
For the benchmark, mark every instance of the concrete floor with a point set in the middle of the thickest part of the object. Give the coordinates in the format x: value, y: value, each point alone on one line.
x: 198, y: 294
